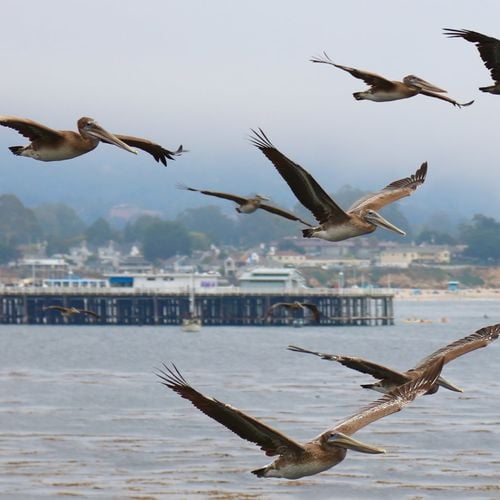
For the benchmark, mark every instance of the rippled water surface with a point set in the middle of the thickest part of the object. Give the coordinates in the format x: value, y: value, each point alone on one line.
x: 82, y: 413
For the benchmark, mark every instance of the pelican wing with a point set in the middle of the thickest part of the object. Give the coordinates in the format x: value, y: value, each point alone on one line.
x: 56, y: 308
x: 283, y: 213
x: 89, y: 313
x: 313, y: 308
x: 359, y: 364
x: 159, y: 153
x: 488, y: 47
x: 270, y: 311
x: 31, y: 129
x: 437, y: 95
x: 226, y: 196
x: 391, y: 402
x: 371, y: 79
x: 481, y: 338
x: 393, y: 192
x: 270, y: 441
x: 303, y: 185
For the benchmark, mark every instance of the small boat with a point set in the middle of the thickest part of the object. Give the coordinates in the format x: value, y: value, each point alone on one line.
x: 193, y: 322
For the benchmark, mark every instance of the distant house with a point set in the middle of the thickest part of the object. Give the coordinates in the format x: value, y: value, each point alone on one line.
x: 403, y: 256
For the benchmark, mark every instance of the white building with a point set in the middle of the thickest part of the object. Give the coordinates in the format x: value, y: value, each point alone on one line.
x: 272, y: 278
x: 176, y: 282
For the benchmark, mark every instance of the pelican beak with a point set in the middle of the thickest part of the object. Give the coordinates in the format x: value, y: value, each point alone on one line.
x: 448, y: 385
x: 263, y: 198
x: 95, y: 130
x: 424, y: 85
x: 344, y: 441
x: 376, y: 219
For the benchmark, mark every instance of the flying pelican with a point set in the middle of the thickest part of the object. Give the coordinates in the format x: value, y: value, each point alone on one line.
x: 71, y: 311
x: 295, y: 459
x: 54, y: 145
x: 248, y: 205
x: 489, y: 50
x: 295, y: 306
x: 335, y: 224
x: 389, y: 378
x: 382, y: 90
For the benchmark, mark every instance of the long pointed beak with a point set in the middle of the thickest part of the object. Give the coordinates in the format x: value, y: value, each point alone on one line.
x: 423, y: 84
x: 378, y: 220
x: 448, y: 385
x: 344, y: 441
x: 102, y: 134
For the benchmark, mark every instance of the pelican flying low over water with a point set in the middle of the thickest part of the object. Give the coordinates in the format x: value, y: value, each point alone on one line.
x: 335, y: 223
x: 489, y: 50
x: 71, y: 311
x: 382, y: 90
x: 294, y: 306
x: 295, y: 459
x: 389, y: 378
x: 248, y: 205
x: 54, y: 145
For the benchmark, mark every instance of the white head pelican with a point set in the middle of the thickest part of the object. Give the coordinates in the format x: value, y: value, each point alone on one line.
x: 489, y: 50
x: 248, y: 205
x: 296, y: 460
x: 382, y: 90
x: 389, y: 378
x: 71, y: 311
x: 335, y: 224
x: 54, y: 145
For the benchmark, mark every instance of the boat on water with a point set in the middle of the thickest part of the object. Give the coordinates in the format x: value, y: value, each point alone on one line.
x: 193, y: 322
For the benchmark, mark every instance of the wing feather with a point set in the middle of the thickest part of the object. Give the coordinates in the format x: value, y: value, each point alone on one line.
x: 283, y: 213
x: 226, y: 196
x: 392, y: 192
x: 480, y: 338
x: 391, y: 402
x: 270, y: 441
x: 304, y: 186
x: 31, y: 129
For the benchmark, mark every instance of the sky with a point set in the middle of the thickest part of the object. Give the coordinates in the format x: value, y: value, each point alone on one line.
x: 203, y: 74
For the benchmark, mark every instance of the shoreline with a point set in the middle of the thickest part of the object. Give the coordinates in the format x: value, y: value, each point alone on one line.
x: 432, y: 294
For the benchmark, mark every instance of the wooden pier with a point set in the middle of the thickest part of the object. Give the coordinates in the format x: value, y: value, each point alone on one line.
x: 232, y: 306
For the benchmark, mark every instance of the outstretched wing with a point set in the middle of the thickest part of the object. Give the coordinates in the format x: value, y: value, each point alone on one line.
x: 226, y: 196
x: 444, y: 98
x: 89, y: 313
x: 56, y: 308
x: 371, y: 79
x: 488, y: 47
x: 270, y: 441
x: 359, y: 364
x: 31, y: 129
x: 159, y: 153
x: 393, y: 192
x: 313, y: 308
x: 481, y: 338
x: 392, y: 402
x: 283, y: 213
x: 303, y: 185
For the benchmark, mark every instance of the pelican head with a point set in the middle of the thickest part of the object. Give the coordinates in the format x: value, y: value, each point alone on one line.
x: 415, y: 81
x: 341, y: 440
x: 376, y: 219
x: 89, y: 127
x: 262, y: 198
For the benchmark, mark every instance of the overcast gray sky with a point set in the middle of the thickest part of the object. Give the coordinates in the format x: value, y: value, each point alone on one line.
x: 202, y: 73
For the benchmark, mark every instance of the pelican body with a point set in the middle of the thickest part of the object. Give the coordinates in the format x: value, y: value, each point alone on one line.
x: 295, y: 306
x: 71, y: 311
x: 489, y: 50
x: 296, y: 460
x: 248, y: 205
x: 335, y: 224
x: 389, y: 378
x: 383, y: 90
x: 55, y: 145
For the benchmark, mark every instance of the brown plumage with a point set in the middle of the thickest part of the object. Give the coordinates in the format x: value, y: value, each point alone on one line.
x: 295, y: 306
x: 489, y: 50
x: 335, y: 224
x: 248, y: 205
x: 54, y: 145
x: 389, y: 378
x: 382, y: 90
x: 295, y: 460
x: 71, y: 311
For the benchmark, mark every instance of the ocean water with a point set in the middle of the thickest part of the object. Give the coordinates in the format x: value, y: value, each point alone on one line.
x: 82, y: 413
